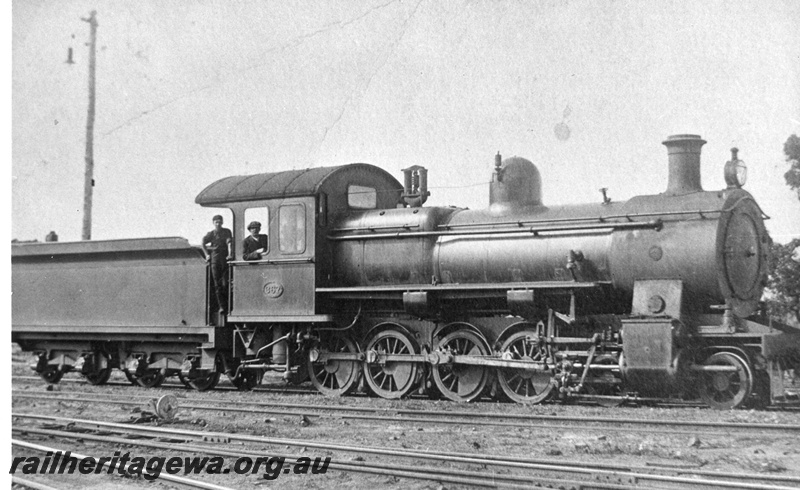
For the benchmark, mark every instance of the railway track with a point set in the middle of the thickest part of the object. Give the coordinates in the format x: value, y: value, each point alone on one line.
x: 277, y: 388
x: 223, y: 386
x: 498, y: 471
x: 438, y: 417
x: 492, y: 471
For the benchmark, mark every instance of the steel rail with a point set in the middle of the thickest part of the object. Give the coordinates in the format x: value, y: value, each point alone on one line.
x: 386, y: 418
x: 426, y: 455
x: 165, y: 476
x: 35, y: 485
x: 672, y: 423
x: 171, y: 386
x: 405, y: 471
x: 300, y: 391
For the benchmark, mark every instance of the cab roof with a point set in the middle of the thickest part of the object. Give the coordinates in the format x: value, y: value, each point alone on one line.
x: 290, y: 183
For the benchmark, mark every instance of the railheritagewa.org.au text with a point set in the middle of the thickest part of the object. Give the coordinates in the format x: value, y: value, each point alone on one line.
x: 270, y: 468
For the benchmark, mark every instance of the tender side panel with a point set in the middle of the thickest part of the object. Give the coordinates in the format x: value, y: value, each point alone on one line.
x: 119, y: 286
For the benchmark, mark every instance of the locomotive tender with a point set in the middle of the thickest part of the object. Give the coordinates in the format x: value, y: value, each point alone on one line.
x: 363, y: 287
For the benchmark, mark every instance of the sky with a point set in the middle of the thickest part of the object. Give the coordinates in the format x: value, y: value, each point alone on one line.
x: 189, y: 92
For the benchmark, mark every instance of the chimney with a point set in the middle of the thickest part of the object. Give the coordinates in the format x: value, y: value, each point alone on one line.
x: 684, y: 163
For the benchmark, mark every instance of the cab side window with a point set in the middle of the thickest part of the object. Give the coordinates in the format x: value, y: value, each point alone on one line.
x: 259, y: 215
x: 292, y: 230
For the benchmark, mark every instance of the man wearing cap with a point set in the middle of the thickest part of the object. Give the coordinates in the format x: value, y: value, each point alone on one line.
x: 218, y: 246
x: 256, y: 244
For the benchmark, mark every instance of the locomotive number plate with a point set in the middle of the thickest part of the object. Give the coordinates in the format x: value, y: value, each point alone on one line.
x: 273, y: 289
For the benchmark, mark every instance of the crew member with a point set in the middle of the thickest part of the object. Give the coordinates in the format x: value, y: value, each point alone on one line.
x: 256, y: 244
x: 218, y: 247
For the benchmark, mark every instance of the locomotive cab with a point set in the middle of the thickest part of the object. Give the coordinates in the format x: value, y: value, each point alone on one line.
x: 298, y: 208
x: 259, y: 286
x: 271, y: 294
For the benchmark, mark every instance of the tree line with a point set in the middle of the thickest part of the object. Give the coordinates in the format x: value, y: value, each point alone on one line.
x: 783, y: 295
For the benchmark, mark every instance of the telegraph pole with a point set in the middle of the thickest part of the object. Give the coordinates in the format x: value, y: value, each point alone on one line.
x: 89, y: 175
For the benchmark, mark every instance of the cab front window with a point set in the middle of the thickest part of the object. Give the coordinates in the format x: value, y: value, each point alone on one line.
x: 360, y: 197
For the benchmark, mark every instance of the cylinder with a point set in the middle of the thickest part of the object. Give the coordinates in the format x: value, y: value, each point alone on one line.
x: 684, y: 163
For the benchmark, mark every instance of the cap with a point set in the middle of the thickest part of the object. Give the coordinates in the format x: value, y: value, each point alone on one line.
x: 253, y: 224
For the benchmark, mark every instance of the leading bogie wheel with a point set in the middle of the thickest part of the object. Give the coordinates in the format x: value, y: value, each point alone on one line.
x: 726, y: 389
x: 334, y: 377
x: 521, y: 385
x: 605, y: 383
x: 461, y: 382
x: 391, y: 379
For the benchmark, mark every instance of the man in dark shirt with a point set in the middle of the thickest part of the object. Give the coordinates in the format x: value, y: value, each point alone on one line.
x: 218, y: 246
x: 255, y: 245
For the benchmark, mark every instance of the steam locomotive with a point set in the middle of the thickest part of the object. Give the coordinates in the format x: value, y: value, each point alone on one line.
x: 363, y: 287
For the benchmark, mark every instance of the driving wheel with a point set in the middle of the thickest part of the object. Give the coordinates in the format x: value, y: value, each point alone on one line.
x: 726, y: 389
x: 523, y: 385
x: 392, y: 379
x: 334, y: 377
x: 461, y: 382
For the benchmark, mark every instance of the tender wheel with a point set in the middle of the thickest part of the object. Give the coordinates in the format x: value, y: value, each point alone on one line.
x: 130, y: 377
x: 100, y: 376
x: 461, y: 382
x: 520, y: 385
x: 392, y: 379
x: 202, y: 383
x: 245, y: 381
x: 51, y: 375
x: 150, y: 379
x: 606, y: 383
x: 334, y: 377
x: 724, y: 390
